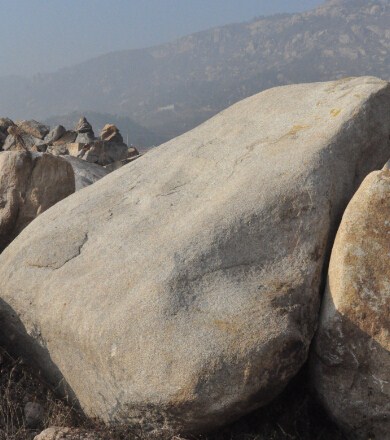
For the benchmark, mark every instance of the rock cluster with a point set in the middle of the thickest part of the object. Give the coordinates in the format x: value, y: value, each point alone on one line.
x: 183, y: 290
x: 108, y: 150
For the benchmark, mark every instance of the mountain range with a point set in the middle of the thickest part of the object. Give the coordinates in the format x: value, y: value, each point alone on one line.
x: 168, y: 89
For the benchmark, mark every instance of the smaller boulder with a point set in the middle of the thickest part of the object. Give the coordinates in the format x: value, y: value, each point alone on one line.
x: 132, y: 152
x: 351, y: 356
x: 30, y: 183
x: 58, y: 150
x: 4, y: 124
x: 18, y: 140
x: 110, y: 132
x: 67, y: 138
x: 34, y: 128
x: 74, y: 148
x: 104, y: 153
x: 54, y: 134
x: 85, y: 173
x: 83, y: 126
x: 57, y: 433
x: 3, y: 137
x: 33, y: 414
x: 85, y: 138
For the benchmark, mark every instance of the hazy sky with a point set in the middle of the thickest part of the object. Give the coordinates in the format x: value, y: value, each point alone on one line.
x: 44, y: 35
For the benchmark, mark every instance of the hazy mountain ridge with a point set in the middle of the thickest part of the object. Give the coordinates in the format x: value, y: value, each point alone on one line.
x: 175, y: 86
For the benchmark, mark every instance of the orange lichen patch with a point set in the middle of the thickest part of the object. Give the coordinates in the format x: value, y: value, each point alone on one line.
x: 296, y: 129
x: 335, y: 112
x: 226, y: 326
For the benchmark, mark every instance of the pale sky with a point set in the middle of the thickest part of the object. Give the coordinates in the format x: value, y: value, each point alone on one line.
x: 45, y: 35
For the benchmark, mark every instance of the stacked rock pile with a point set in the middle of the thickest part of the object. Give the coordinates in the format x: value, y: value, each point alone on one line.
x: 108, y: 150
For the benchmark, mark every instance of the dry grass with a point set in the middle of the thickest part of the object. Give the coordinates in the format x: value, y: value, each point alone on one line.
x: 295, y: 415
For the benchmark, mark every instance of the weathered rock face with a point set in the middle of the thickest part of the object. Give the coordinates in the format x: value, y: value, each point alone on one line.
x: 67, y: 138
x: 83, y: 126
x: 30, y: 183
x: 3, y: 137
x: 183, y: 289
x: 351, y: 361
x: 55, y: 134
x: 18, y: 140
x: 104, y: 153
x: 4, y: 124
x: 34, y: 128
x: 85, y: 133
x: 56, y: 433
x: 110, y: 132
x: 85, y: 173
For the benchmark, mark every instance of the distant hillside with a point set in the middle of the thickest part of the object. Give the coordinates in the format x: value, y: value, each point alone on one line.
x: 173, y: 87
x: 132, y: 132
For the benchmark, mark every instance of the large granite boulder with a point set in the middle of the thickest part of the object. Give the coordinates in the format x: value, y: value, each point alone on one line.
x: 182, y: 290
x: 30, y: 183
x: 85, y: 173
x: 34, y: 128
x: 351, y: 360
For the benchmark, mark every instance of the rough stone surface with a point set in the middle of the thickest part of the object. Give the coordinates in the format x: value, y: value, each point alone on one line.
x: 33, y: 414
x: 104, y: 153
x: 3, y: 137
x: 30, y: 183
x: 55, y: 134
x: 74, y: 148
x: 5, y: 123
x: 57, y: 433
x: 18, y: 140
x: 83, y: 126
x: 58, y: 150
x: 67, y: 138
x: 351, y: 361
x: 110, y: 132
x: 84, y: 138
x: 182, y: 290
x: 34, y: 128
x: 85, y: 173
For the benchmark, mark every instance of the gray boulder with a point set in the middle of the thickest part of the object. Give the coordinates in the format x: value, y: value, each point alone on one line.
x: 110, y: 132
x: 4, y: 124
x: 30, y: 183
x: 18, y: 140
x: 58, y: 150
x: 3, y: 137
x: 104, y: 153
x: 182, y: 290
x: 68, y: 137
x: 351, y: 360
x: 85, y: 173
x: 83, y: 126
x: 54, y: 134
x: 33, y: 128
x: 85, y: 138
